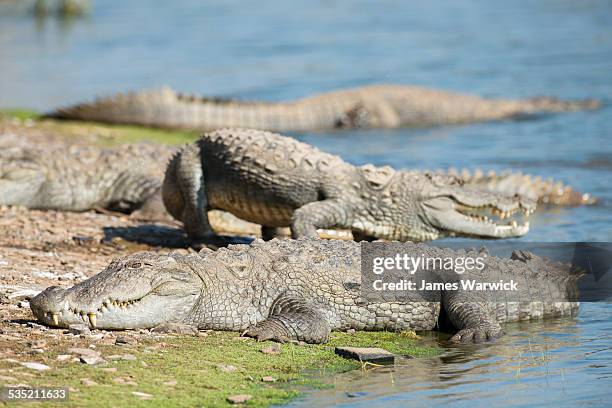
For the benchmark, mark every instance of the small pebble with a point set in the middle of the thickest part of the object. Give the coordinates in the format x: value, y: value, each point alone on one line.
x: 88, y: 382
x: 226, y: 368
x: 272, y: 349
x: 239, y: 398
x: 122, y: 340
x: 36, y: 366
x: 91, y: 360
x: 78, y: 329
x: 142, y: 395
x: 128, y: 357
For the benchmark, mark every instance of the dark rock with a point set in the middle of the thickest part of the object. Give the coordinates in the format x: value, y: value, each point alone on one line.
x: 123, y: 340
x: 356, y: 394
x: 367, y: 354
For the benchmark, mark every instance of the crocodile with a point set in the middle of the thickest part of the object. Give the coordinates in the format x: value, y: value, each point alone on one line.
x: 288, y: 290
x: 276, y: 181
x: 64, y: 178
x: 80, y: 178
x: 373, y: 106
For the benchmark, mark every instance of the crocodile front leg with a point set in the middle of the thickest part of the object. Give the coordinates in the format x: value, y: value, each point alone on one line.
x: 471, y: 318
x: 190, y: 181
x: 292, y: 318
x: 319, y: 214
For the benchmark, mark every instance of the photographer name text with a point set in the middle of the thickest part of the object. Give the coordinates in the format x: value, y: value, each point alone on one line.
x: 464, y: 284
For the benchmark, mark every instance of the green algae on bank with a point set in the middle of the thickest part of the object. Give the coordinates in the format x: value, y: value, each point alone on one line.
x: 105, y: 134
x: 21, y: 114
x: 204, y: 371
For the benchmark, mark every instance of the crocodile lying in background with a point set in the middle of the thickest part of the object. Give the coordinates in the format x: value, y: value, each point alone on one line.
x: 374, y: 106
x: 276, y: 181
x: 298, y: 290
x: 79, y: 178
x: 129, y: 178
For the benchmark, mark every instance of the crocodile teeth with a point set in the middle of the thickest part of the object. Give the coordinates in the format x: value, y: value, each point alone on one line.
x: 92, y: 319
x: 514, y: 224
x: 55, y: 318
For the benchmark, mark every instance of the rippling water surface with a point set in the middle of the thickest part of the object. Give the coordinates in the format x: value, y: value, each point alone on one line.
x: 284, y: 50
x: 562, y: 362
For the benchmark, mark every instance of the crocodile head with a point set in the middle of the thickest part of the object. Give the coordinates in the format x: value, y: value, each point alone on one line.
x: 141, y: 290
x: 446, y: 207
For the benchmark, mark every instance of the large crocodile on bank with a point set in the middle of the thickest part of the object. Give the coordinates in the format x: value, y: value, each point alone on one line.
x: 276, y: 181
x: 300, y: 290
x: 128, y: 179
x: 374, y: 106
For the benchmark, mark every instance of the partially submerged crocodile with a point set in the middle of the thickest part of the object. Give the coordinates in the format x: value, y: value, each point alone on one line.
x: 374, y: 106
x: 276, y: 181
x: 299, y: 290
x: 129, y: 178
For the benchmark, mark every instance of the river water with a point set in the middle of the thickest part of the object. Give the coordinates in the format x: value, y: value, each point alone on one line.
x: 284, y: 50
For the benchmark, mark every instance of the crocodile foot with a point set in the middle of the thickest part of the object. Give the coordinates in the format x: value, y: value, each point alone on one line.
x: 477, y: 334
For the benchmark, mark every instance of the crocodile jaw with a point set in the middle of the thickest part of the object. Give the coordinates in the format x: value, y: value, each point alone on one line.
x: 110, y: 314
x: 138, y: 291
x: 456, y: 218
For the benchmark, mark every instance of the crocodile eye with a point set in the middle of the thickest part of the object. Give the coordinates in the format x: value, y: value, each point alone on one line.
x: 134, y: 265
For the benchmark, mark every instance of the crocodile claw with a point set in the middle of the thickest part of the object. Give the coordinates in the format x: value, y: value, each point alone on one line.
x: 477, y: 334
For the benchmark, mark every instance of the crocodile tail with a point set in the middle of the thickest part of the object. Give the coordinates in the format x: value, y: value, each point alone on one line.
x: 559, y: 279
x: 552, y: 104
x: 129, y: 108
x: 548, y: 192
